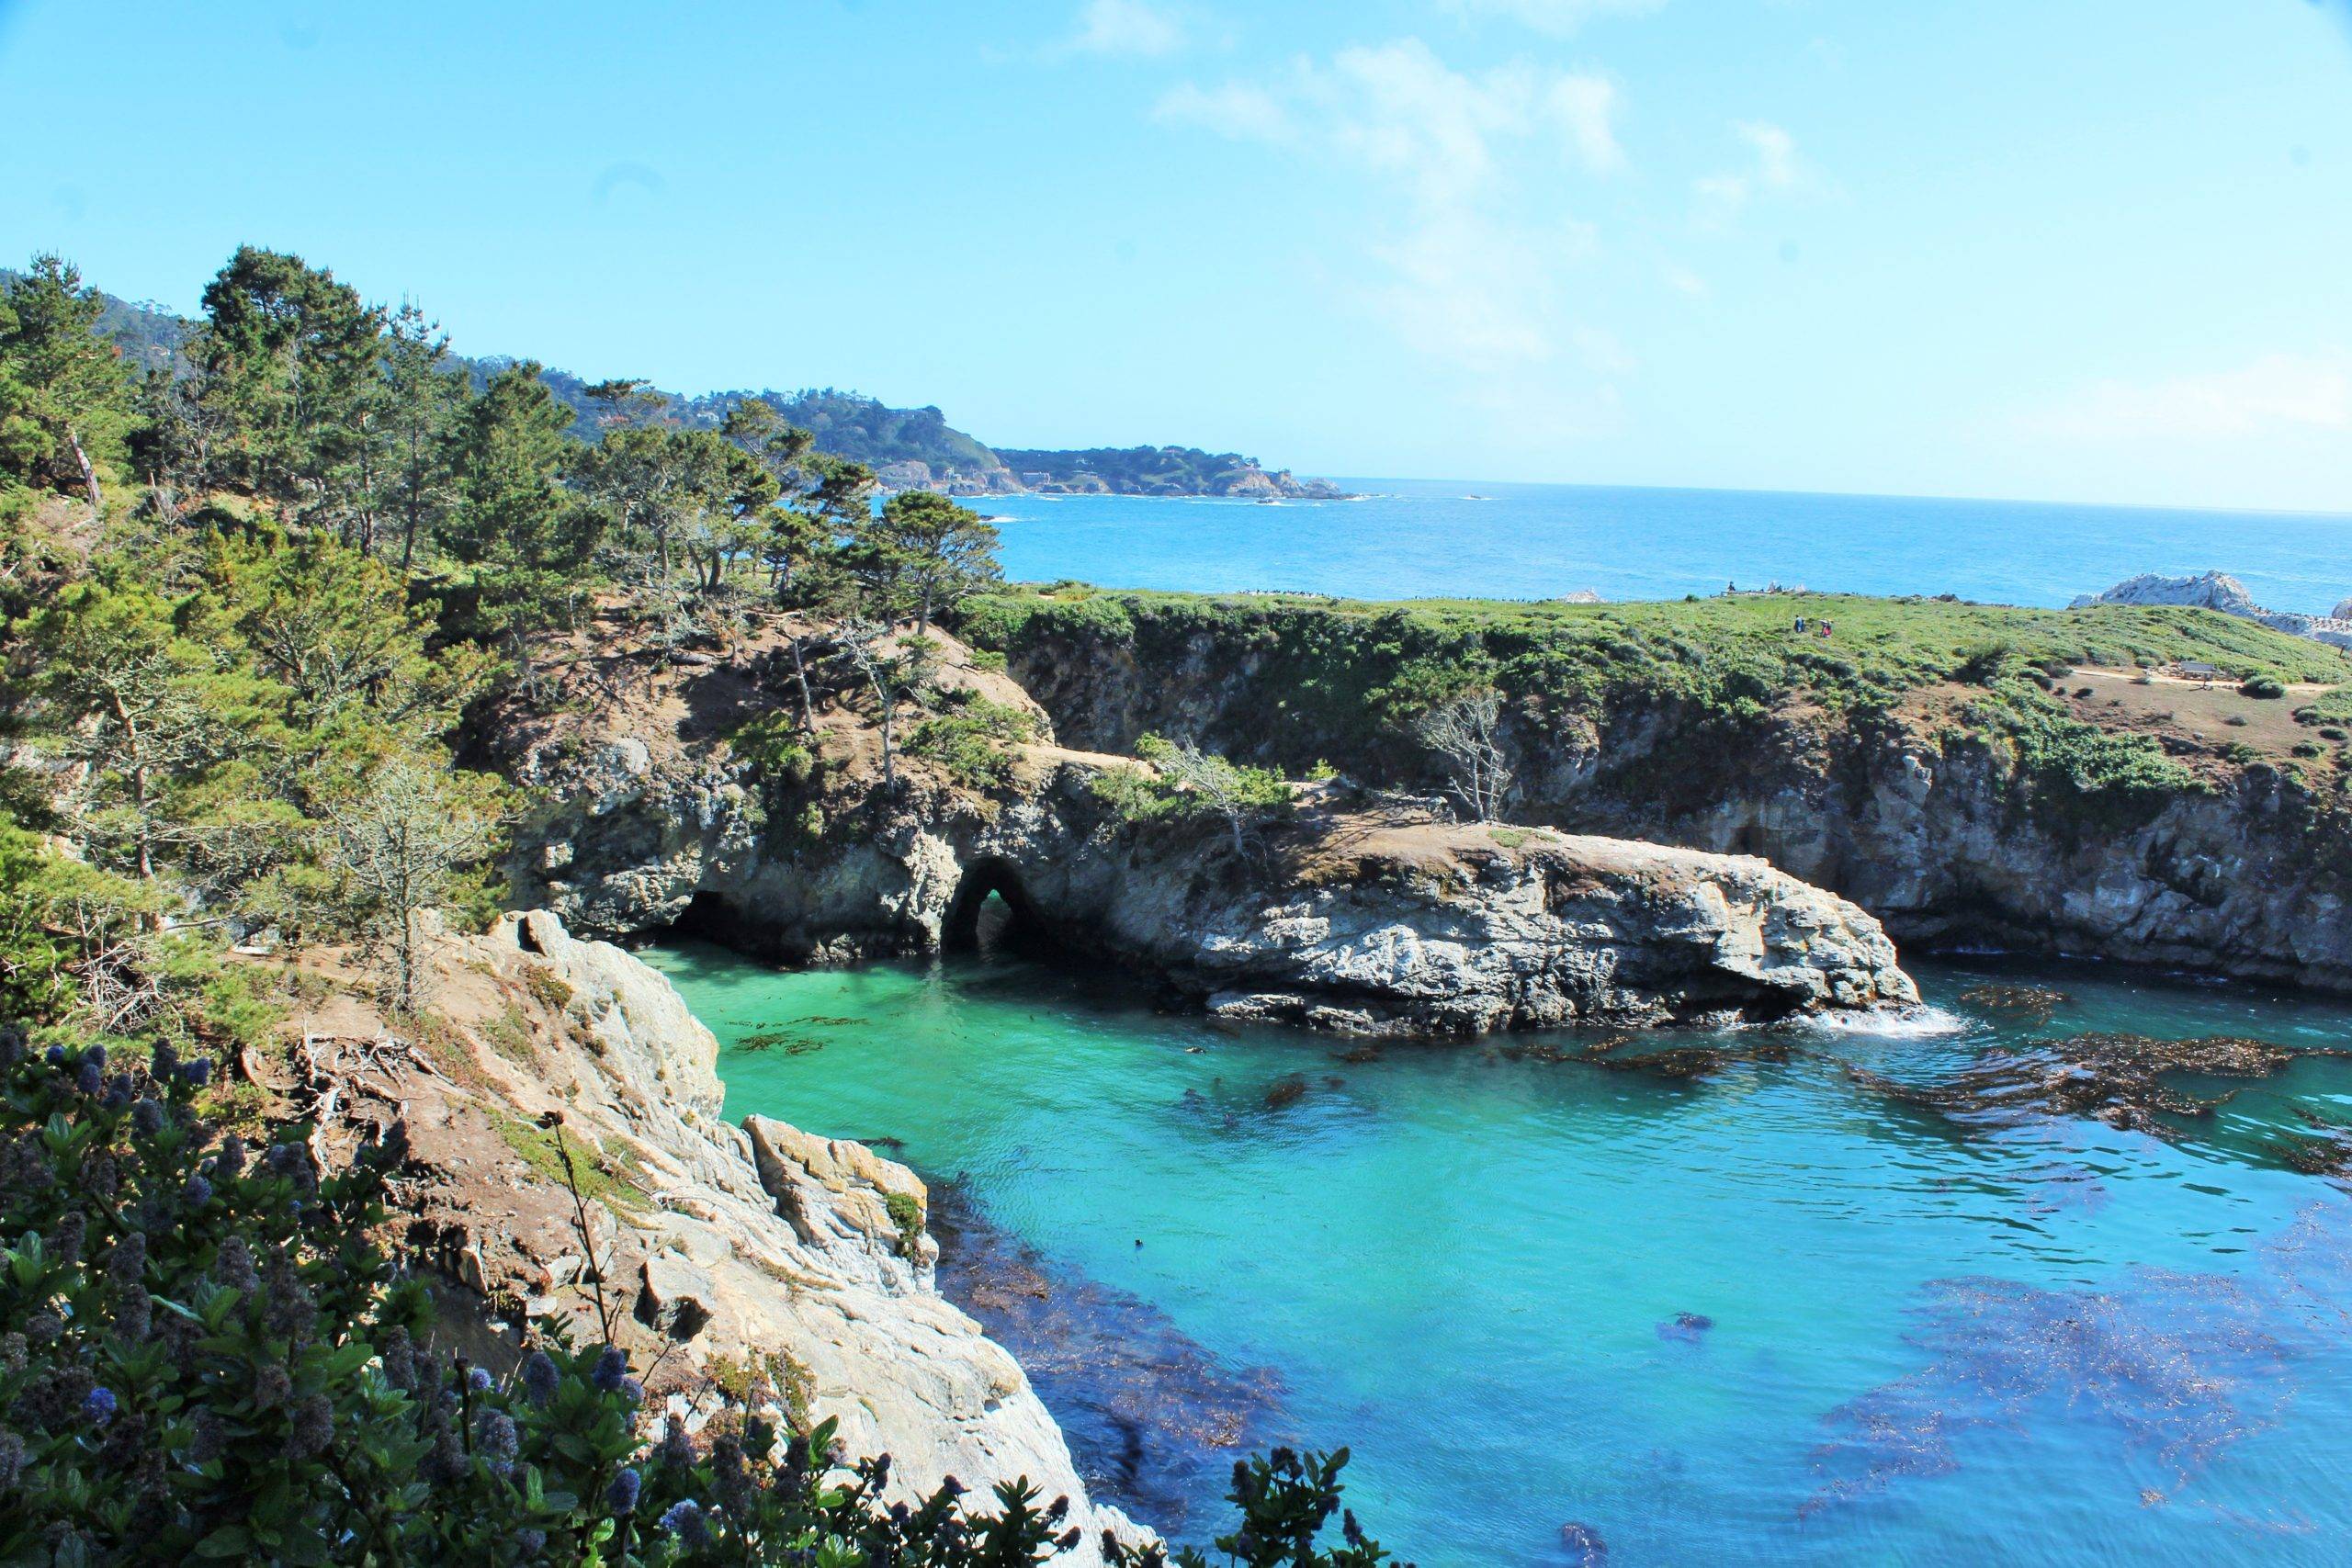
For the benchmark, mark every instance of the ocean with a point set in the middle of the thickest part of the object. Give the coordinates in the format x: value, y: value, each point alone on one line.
x: 1408, y: 539
x: 1770, y: 1314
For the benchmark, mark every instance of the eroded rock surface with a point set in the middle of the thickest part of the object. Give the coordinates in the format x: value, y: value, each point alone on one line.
x: 790, y: 1270
x: 1344, y: 917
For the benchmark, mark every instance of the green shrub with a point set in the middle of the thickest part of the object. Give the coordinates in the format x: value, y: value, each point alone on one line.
x: 775, y: 747
x: 973, y: 739
x: 2262, y: 686
x: 906, y: 1213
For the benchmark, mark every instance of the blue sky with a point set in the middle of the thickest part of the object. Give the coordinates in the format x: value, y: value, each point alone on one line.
x: 2076, y: 249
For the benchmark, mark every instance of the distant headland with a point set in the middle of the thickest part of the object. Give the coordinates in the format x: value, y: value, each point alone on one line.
x: 907, y: 448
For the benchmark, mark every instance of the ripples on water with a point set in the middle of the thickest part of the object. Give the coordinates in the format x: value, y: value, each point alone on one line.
x: 1727, y: 1303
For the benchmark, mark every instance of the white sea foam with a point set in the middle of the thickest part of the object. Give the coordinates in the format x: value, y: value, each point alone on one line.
x: 1890, y: 1024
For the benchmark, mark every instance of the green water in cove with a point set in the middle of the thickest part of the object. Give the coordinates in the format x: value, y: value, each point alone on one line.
x: 1766, y: 1315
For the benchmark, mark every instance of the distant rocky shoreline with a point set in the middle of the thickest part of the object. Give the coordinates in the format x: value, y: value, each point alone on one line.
x: 2219, y: 591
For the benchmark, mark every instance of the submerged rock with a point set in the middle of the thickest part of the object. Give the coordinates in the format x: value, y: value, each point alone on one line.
x: 1687, y: 1327
x: 1149, y: 1411
x: 2030, y: 1004
x: 1584, y: 1546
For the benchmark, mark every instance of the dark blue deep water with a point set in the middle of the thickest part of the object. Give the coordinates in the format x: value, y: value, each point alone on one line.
x: 1411, y: 539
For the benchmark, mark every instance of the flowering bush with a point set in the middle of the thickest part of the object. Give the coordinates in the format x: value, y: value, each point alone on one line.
x: 203, y: 1355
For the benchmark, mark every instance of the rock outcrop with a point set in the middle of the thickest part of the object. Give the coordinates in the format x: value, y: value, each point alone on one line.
x: 1932, y: 824
x: 791, y: 1271
x: 1366, y: 926
x: 1340, y: 918
x: 2219, y: 591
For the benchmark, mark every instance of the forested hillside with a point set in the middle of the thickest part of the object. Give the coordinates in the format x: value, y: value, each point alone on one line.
x: 908, y: 448
x: 262, y: 578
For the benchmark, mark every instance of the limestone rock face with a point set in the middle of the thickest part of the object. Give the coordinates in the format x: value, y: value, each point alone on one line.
x: 1433, y: 928
x: 759, y: 1250
x: 1360, y: 922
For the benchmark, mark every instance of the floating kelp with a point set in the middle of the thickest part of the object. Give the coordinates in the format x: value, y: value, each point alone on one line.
x: 2026, y: 1004
x: 2178, y: 1367
x: 1149, y: 1411
x: 2121, y: 1079
x: 1687, y: 1327
x: 779, y: 1040
x: 1285, y: 1091
x: 1691, y: 1061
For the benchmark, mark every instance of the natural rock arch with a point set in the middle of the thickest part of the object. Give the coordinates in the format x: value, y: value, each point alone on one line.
x: 960, y: 931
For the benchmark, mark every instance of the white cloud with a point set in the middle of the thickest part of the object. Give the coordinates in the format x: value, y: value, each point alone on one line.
x: 1236, y: 110
x: 1470, y: 269
x: 1126, y: 28
x: 2273, y: 394
x: 1773, y: 166
x: 1557, y: 17
x: 1586, y: 108
x: 1682, y: 280
x: 1776, y: 152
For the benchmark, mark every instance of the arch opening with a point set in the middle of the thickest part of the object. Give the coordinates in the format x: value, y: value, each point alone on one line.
x: 992, y: 912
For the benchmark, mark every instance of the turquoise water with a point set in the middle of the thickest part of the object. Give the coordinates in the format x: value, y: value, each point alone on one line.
x: 1422, y: 539
x: 2048, y: 1343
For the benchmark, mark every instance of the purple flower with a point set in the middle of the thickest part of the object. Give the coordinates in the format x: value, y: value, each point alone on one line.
x: 621, y: 1496
x: 633, y: 1391
x: 99, y: 1405
x: 147, y: 1118
x: 198, y: 1072
x: 530, y: 1543
x: 314, y: 1428
x: 497, y: 1442
x: 540, y: 1378
x: 685, y: 1521
x: 478, y: 1380
x: 88, y: 1077
x: 612, y: 1370
x: 233, y: 1266
x: 96, y: 1056
x: 198, y: 1192
x: 167, y: 1059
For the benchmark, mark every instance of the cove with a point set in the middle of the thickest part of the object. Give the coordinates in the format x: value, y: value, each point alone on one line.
x: 1764, y: 1313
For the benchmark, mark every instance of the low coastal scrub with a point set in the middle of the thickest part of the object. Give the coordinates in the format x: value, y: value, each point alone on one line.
x: 1341, y: 678
x: 1183, y: 782
x: 1725, y: 656
x: 974, y: 739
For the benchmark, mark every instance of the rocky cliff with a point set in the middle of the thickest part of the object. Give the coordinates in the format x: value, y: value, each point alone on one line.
x: 2217, y: 838
x: 780, y: 1269
x: 1338, y: 913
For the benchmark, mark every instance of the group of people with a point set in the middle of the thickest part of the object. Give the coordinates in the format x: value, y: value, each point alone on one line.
x: 1821, y: 627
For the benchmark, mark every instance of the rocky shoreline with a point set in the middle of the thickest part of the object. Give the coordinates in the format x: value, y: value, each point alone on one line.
x: 759, y: 1265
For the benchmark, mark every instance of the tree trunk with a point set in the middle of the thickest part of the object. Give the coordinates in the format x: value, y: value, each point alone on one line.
x: 89, y: 473
x: 807, y: 701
